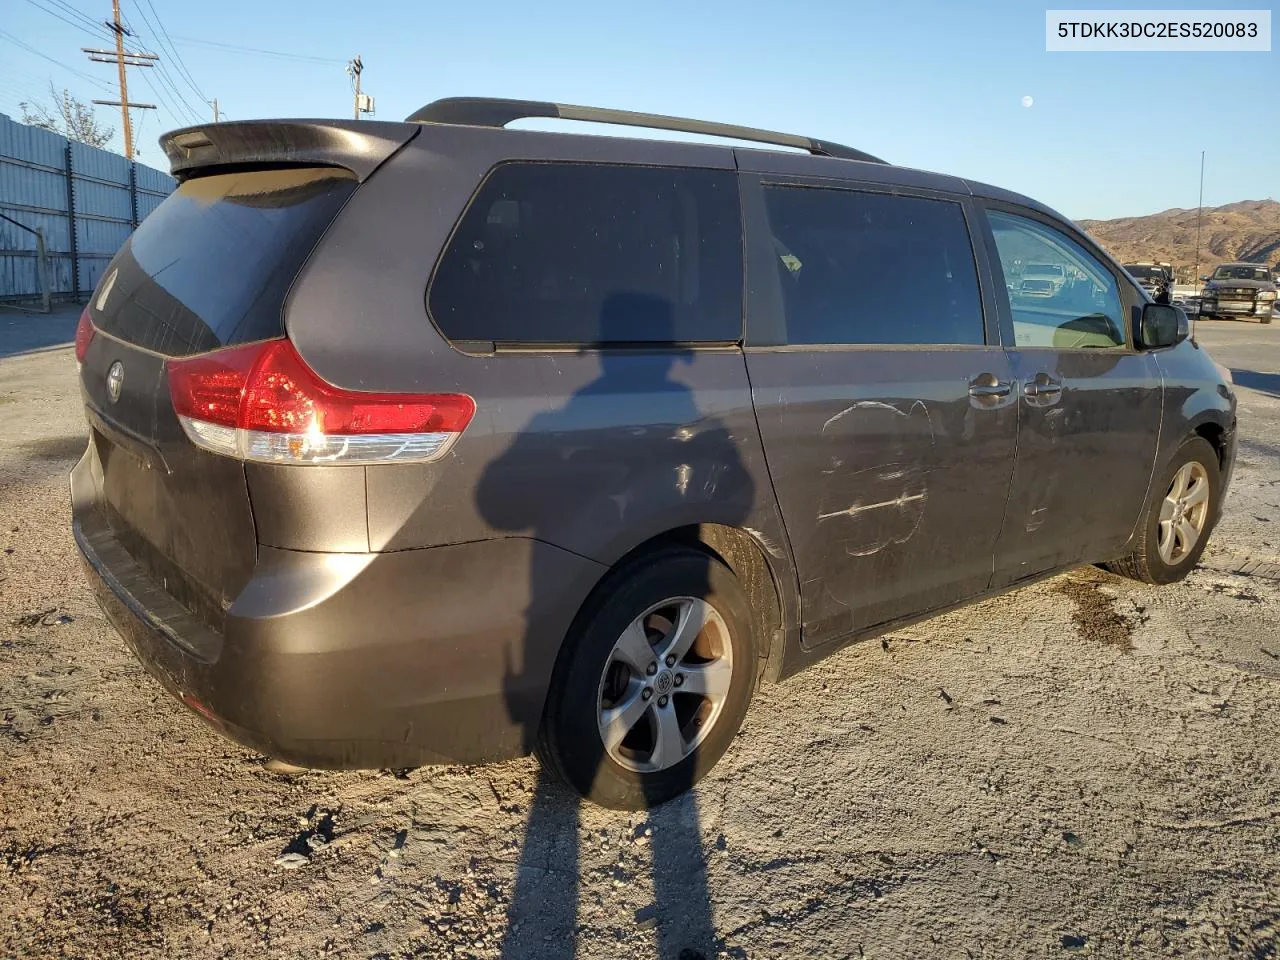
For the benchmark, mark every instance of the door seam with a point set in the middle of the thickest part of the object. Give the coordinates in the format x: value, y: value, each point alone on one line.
x: 1013, y: 468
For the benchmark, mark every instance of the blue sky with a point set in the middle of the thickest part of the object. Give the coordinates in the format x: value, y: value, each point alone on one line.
x: 932, y: 85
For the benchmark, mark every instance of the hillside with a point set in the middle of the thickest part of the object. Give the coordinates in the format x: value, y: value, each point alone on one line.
x: 1247, y: 230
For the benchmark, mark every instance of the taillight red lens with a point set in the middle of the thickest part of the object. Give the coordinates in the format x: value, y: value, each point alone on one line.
x: 267, y: 389
x: 84, y: 333
x: 210, y: 387
x: 283, y: 395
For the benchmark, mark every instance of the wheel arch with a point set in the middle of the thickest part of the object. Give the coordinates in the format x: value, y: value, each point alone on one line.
x: 748, y: 559
x: 1213, y: 432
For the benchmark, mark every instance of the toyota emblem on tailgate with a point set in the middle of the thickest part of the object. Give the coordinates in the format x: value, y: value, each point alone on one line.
x: 115, y: 380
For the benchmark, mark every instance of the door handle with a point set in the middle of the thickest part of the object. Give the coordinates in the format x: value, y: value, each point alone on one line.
x: 1042, y: 385
x: 988, y: 386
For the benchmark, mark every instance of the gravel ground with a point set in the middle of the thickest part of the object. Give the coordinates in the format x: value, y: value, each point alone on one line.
x: 1087, y: 766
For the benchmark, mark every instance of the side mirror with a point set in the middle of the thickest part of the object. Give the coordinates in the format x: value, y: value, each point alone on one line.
x: 1163, y: 326
x: 1204, y: 279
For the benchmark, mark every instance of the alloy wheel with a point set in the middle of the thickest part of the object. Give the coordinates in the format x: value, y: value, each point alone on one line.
x: 1183, y: 512
x: 665, y: 684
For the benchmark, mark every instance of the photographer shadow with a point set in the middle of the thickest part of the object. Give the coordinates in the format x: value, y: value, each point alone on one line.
x: 600, y: 453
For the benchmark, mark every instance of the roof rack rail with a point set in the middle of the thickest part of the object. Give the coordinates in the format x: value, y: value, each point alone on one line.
x: 496, y: 112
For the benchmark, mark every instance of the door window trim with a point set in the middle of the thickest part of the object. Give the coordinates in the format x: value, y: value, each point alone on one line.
x: 765, y: 324
x: 1130, y: 303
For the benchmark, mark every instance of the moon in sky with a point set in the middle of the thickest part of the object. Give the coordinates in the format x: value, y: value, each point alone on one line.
x: 1027, y: 101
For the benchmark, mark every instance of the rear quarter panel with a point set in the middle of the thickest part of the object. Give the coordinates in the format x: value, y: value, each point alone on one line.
x: 592, y: 452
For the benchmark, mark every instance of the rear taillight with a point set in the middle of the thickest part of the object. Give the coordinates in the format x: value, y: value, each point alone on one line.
x: 84, y: 333
x: 262, y: 402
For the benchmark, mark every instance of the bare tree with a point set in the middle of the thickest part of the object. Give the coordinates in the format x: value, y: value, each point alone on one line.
x: 69, y: 117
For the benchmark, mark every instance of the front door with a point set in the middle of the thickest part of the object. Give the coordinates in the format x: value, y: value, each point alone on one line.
x: 885, y: 407
x: 1090, y: 405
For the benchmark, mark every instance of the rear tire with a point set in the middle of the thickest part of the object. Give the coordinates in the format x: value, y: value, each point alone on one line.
x: 1165, y: 551
x: 624, y: 669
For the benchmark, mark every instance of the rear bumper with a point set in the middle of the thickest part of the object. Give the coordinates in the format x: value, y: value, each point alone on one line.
x: 438, y: 655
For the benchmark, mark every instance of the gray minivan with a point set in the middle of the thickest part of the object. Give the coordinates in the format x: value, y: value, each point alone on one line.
x: 436, y: 441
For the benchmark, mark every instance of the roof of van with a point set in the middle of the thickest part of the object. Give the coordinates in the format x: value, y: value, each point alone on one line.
x: 822, y: 154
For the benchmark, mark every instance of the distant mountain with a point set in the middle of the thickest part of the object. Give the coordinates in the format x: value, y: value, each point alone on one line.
x: 1247, y: 230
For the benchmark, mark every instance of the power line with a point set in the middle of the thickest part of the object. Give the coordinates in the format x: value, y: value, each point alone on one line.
x: 167, y: 80
x: 44, y: 56
x: 20, y: 94
x: 166, y: 102
x: 196, y: 41
x: 95, y: 30
x: 177, y: 57
x: 79, y: 14
x: 178, y: 108
x: 190, y: 109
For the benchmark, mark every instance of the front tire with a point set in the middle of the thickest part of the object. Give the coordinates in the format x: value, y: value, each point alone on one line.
x: 654, y: 683
x: 1179, y: 519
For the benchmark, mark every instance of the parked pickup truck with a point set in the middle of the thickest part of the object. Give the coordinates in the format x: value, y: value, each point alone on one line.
x: 1239, y: 290
x: 1155, y: 278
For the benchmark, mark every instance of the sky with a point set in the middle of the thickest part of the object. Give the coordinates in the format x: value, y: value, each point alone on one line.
x: 939, y: 86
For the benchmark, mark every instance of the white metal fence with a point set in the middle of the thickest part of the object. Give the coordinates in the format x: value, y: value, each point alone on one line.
x: 80, y: 201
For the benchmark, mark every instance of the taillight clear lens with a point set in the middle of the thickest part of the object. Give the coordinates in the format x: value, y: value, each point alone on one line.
x: 262, y: 402
x: 84, y: 333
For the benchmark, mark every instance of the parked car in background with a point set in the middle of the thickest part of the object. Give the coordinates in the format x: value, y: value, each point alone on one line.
x: 438, y: 441
x: 1239, y: 290
x: 1042, y: 279
x: 1155, y: 278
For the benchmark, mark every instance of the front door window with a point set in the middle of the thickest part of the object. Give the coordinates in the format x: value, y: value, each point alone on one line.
x: 1059, y: 295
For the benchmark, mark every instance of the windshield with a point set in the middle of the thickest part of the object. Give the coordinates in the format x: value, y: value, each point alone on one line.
x: 1242, y: 273
x: 1145, y: 273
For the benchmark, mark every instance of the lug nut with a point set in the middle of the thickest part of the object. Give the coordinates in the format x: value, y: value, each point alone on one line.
x: 651, y: 669
x: 662, y: 701
x: 679, y: 680
x: 646, y: 694
x: 671, y: 659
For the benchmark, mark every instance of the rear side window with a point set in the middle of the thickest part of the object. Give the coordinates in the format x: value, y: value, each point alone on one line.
x: 872, y: 268
x: 212, y: 264
x: 560, y: 253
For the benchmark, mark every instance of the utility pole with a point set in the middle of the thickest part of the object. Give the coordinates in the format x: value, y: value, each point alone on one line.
x: 122, y: 58
x: 214, y: 103
x: 1199, y: 216
x: 354, y: 69
x: 363, y: 102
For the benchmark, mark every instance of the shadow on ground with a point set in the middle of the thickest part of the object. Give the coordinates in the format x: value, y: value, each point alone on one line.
x: 22, y: 332
x: 1268, y: 383
x: 544, y: 917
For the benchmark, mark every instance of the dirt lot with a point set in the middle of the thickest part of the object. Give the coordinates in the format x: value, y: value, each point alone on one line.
x: 1086, y: 767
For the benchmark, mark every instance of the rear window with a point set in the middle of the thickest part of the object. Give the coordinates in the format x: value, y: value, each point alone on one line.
x: 561, y: 253
x: 212, y: 264
x: 873, y: 268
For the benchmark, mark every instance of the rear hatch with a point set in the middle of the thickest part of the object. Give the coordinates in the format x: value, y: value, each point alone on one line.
x: 210, y: 268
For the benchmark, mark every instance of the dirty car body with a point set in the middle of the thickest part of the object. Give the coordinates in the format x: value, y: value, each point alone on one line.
x: 857, y: 458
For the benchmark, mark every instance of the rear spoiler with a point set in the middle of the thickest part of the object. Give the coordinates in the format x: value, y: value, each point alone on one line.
x: 358, y: 146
